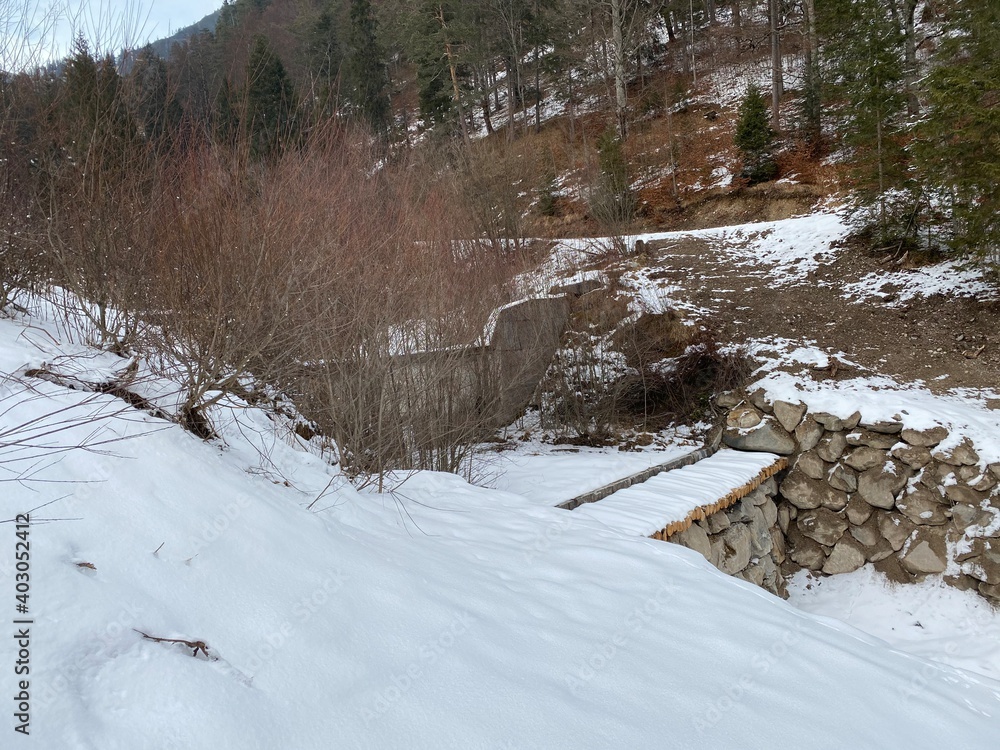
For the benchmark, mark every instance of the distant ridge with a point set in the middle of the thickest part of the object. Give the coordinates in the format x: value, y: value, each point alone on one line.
x: 162, y: 46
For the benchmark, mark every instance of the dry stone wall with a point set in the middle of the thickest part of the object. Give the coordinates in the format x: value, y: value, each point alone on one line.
x: 912, y: 502
x: 743, y: 540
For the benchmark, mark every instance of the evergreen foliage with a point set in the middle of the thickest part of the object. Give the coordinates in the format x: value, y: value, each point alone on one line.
x: 613, y: 203
x: 755, y: 138
x: 366, y: 78
x: 958, y: 149
x: 270, y: 100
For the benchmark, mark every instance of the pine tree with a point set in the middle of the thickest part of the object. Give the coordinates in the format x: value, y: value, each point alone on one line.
x: 865, y: 51
x: 755, y: 138
x: 958, y: 150
x: 270, y: 100
x: 365, y: 75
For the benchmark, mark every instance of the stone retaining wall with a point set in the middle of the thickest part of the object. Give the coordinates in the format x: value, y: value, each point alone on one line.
x: 879, y: 492
x: 744, y: 540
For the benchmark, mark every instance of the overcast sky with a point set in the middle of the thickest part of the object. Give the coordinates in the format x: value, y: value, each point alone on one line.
x: 48, y: 26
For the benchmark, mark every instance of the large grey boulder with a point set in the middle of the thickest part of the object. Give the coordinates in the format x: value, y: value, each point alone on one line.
x: 895, y: 529
x: 810, y: 431
x: 768, y: 436
x: 858, y: 511
x: 789, y: 415
x: 810, y: 464
x: 864, y: 458
x: 924, y: 438
x: 831, y: 446
x: 842, y: 478
x: 806, y: 493
x: 694, y: 537
x: 735, y: 553
x: 926, y: 552
x: 923, y: 506
x: 962, y: 454
x: 804, y: 551
x: 878, y: 486
x: 847, y: 556
x: 878, y: 440
x: 822, y: 525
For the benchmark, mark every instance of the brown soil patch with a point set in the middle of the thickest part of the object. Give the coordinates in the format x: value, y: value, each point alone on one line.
x: 947, y: 342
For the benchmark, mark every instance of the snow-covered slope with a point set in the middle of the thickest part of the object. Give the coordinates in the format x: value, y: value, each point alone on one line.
x: 440, y: 616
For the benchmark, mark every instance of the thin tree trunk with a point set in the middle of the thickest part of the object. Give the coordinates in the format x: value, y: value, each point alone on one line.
x: 910, y: 52
x: 618, y: 62
x: 777, y: 81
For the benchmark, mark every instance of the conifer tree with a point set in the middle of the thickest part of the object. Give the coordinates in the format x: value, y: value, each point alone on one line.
x: 270, y: 100
x: 754, y: 137
x: 958, y: 149
x: 366, y: 77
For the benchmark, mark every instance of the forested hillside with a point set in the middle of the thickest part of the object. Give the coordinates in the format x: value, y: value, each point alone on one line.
x: 573, y: 116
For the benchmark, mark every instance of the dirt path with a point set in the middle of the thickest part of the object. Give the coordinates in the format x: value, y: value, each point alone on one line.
x: 947, y: 342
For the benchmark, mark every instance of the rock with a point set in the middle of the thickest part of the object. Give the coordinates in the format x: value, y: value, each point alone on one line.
x: 995, y: 470
x: 895, y: 529
x: 769, y: 486
x: 768, y: 436
x: 760, y: 535
x: 967, y: 473
x: 728, y: 399
x: 843, y: 478
x: 695, y: 537
x: 924, y: 438
x: 809, y: 432
x: 962, y: 582
x: 984, y: 482
x: 885, y: 427
x: 741, y: 511
x: 880, y: 551
x: 959, y: 493
x: 743, y: 417
x: 770, y: 511
x: 810, y: 464
x: 926, y: 552
x: 916, y: 457
x: 822, y: 525
x: 847, y: 556
x: 829, y: 421
x: 867, y: 534
x: 753, y: 574
x: 777, y: 546
x: 985, y: 565
x: 923, y: 507
x: 831, y: 446
x: 852, y: 421
x: 858, y: 511
x: 991, y: 592
x: 789, y: 415
x: 967, y: 516
x: 962, y: 454
x: 735, y: 549
x: 864, y: 458
x: 784, y: 517
x: 717, y: 522
x: 758, y: 497
x: 806, y: 493
x: 577, y: 288
x: 878, y: 486
x: 804, y: 551
x: 872, y: 439
x: 759, y: 399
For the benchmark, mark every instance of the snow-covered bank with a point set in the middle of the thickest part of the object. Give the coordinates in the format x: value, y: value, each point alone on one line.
x: 442, y: 615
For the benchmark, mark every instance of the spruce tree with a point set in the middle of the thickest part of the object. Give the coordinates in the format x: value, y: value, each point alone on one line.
x: 365, y: 74
x: 754, y: 137
x: 270, y: 100
x: 958, y: 148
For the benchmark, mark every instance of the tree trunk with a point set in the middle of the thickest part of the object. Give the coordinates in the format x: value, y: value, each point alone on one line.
x: 910, y: 52
x: 618, y: 63
x: 777, y: 81
x: 737, y: 19
x: 814, y: 111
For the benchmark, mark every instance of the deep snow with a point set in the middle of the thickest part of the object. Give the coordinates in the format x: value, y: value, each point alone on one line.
x: 441, y: 615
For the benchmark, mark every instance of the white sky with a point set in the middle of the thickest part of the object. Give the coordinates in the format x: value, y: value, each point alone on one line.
x: 38, y: 30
